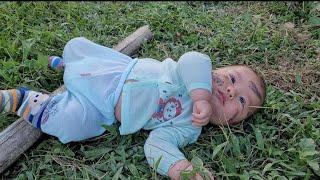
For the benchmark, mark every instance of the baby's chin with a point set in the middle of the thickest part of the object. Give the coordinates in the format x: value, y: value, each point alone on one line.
x: 218, y: 123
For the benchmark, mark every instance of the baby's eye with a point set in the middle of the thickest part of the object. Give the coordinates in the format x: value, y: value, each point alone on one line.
x: 242, y: 100
x: 233, y: 80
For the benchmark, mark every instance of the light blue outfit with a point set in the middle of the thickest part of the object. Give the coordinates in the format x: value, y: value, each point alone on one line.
x: 157, y: 100
x: 94, y: 76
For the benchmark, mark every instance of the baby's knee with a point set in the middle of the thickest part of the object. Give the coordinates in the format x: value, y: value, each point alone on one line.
x: 74, y: 41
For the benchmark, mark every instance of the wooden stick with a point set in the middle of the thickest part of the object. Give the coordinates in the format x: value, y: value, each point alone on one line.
x: 20, y: 135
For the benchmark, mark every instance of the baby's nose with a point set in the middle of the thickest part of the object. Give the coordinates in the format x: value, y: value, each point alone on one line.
x: 231, y: 91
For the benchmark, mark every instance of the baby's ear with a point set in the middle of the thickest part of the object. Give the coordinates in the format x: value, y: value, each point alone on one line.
x: 232, y: 122
x: 252, y: 111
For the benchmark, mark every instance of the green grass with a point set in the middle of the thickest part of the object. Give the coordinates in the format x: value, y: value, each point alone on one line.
x: 280, y: 142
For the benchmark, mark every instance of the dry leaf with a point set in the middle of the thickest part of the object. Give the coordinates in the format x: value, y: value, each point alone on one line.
x: 288, y: 26
x: 302, y: 37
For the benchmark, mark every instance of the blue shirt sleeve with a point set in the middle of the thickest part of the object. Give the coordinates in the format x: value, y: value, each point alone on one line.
x: 194, y: 69
x: 162, y: 146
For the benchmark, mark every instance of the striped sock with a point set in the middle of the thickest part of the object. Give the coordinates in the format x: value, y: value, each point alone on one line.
x: 32, y: 107
x: 55, y: 62
x: 10, y: 100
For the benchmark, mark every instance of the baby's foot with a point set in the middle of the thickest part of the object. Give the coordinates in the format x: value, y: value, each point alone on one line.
x: 32, y: 106
x: 55, y: 62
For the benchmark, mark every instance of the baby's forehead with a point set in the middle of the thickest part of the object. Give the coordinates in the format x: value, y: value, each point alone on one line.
x: 250, y: 79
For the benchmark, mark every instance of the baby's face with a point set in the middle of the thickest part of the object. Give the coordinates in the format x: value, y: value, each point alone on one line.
x: 235, y: 90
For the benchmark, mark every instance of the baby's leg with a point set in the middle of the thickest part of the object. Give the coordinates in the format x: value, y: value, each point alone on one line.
x: 55, y: 62
x: 71, y: 118
x: 25, y: 103
x: 64, y: 116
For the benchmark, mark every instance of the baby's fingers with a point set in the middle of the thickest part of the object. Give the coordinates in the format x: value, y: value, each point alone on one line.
x: 200, y: 122
x: 197, y: 124
x: 200, y: 115
x: 197, y: 115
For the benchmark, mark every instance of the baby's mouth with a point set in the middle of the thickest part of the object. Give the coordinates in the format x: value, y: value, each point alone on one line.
x: 221, y: 97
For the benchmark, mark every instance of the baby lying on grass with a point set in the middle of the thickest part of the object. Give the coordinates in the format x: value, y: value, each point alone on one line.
x: 172, y: 99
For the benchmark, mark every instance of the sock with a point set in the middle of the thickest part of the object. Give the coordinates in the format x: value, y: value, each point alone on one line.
x: 55, y: 62
x: 32, y: 107
x: 11, y: 100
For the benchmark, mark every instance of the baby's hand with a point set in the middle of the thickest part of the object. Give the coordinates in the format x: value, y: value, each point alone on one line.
x: 201, y: 113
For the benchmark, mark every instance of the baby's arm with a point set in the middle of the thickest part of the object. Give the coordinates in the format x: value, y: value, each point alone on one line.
x: 162, y: 149
x: 194, y: 69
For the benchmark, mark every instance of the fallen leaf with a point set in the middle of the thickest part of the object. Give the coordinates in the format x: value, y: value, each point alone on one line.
x: 288, y: 26
x: 302, y: 37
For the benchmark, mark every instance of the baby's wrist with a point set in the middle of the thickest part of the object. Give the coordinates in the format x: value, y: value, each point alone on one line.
x: 202, y: 101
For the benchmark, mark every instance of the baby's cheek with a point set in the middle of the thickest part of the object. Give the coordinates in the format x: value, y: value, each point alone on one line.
x: 230, y: 112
